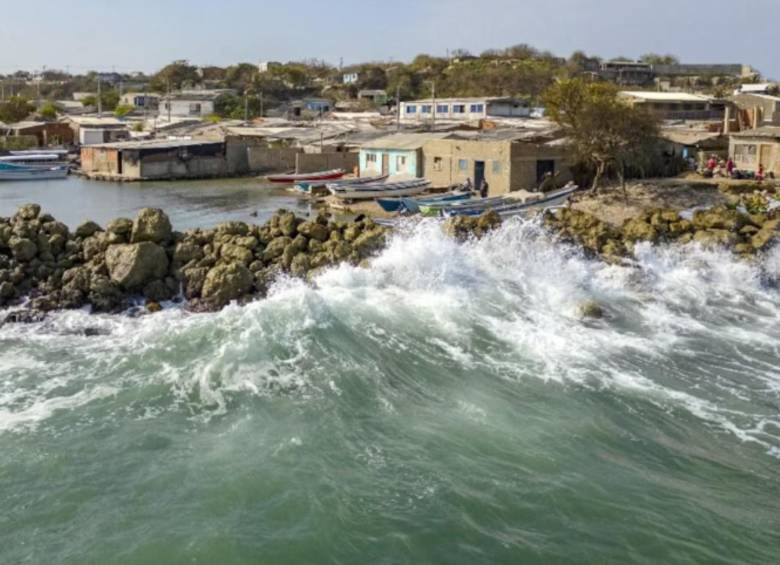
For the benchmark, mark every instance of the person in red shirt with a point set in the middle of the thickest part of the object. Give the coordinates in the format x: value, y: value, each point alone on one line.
x: 760, y: 173
x: 730, y: 166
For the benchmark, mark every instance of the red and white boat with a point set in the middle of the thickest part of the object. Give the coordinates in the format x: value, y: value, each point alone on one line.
x: 333, y: 174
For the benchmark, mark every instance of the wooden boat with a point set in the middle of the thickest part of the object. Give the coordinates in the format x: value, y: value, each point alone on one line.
x: 379, y: 190
x: 308, y: 186
x: 332, y: 174
x: 549, y: 200
x: 413, y: 204
x: 11, y: 171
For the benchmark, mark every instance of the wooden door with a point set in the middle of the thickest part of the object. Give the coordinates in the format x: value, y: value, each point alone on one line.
x: 385, y: 164
x: 765, y: 157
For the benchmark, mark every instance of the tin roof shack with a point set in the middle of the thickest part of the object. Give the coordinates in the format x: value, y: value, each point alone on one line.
x: 756, y: 147
x: 308, y: 108
x: 92, y: 130
x: 398, y: 155
x: 47, y: 133
x: 141, y: 101
x: 155, y: 160
x: 758, y: 109
x: 633, y: 73
x: 676, y: 105
x: 463, y: 109
x: 698, y: 143
x: 507, y: 160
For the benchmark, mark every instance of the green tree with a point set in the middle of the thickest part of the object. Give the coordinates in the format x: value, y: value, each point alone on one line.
x: 176, y: 75
x: 241, y: 77
x: 603, y: 130
x: 48, y: 111
x: 15, y: 109
x: 90, y: 100
x: 122, y: 110
x: 655, y: 59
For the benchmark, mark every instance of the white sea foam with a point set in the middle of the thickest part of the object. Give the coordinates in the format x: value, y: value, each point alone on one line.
x: 507, y: 304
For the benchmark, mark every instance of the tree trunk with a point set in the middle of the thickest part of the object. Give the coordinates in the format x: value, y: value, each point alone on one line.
x: 600, y: 168
x: 622, y: 174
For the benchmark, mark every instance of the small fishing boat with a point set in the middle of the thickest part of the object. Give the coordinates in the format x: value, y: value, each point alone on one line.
x: 413, y: 204
x: 12, y: 171
x: 308, y: 186
x: 379, y: 190
x: 549, y: 200
x: 332, y: 174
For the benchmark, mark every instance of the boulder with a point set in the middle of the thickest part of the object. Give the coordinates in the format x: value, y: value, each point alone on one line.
x: 135, y: 264
x: 7, y: 290
x: 637, y: 229
x: 86, y: 229
x: 184, y: 252
x: 236, y: 253
x: 28, y: 211
x: 715, y: 238
x: 275, y: 248
x: 314, y: 230
x: 369, y: 242
x: 233, y: 228
x: 225, y: 283
x: 22, y: 249
x: 120, y: 226
x: 157, y: 291
x: 104, y: 294
x: 151, y: 224
x: 288, y: 224
x: 194, y: 277
x: 590, y: 309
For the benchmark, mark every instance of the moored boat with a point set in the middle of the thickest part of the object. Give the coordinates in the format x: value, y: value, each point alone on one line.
x: 308, y: 186
x: 332, y: 174
x: 548, y: 200
x: 379, y: 190
x: 11, y: 171
x: 413, y: 204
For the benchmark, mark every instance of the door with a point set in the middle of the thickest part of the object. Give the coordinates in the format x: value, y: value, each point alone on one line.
x: 542, y: 168
x: 479, y: 174
x: 385, y: 164
x: 765, y: 157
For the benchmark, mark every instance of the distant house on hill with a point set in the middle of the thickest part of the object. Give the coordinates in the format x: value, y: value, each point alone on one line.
x: 191, y: 103
x: 141, y: 100
x: 759, y: 109
x: 463, y: 109
x: 676, y: 105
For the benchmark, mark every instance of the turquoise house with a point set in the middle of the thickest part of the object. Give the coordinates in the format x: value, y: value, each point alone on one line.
x: 398, y: 155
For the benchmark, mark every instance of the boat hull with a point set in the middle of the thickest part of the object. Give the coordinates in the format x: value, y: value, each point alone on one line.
x: 312, y: 177
x: 33, y: 174
x: 397, y: 204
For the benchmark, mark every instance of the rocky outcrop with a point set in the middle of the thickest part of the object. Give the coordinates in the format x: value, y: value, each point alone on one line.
x: 134, y: 265
x: 151, y: 224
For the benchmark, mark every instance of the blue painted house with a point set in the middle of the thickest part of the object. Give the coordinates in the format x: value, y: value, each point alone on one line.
x: 398, y: 155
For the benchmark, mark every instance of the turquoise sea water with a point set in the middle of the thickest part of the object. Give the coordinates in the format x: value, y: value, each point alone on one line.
x: 445, y: 405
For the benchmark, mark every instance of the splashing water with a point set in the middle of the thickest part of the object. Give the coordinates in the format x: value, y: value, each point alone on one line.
x: 447, y: 404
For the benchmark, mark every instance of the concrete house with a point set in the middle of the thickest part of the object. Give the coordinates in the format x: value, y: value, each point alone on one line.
x: 463, y: 109
x: 91, y: 130
x: 350, y: 78
x: 753, y: 148
x: 46, y: 133
x: 676, y: 105
x: 395, y: 155
x: 141, y: 100
x: 191, y: 103
x: 758, y: 109
x: 506, y: 160
x: 309, y: 108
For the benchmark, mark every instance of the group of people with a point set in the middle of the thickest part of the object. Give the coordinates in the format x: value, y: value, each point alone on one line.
x: 716, y: 167
x: 483, y: 187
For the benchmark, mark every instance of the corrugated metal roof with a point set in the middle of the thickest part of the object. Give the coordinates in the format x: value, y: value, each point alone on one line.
x: 765, y: 131
x: 403, y: 141
x: 688, y: 137
x: 154, y: 144
x: 665, y: 96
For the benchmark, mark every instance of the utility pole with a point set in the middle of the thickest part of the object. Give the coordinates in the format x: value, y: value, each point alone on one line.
x: 168, y: 103
x: 433, y: 95
x: 262, y: 102
x: 398, y: 107
x: 99, y: 100
x: 246, y: 106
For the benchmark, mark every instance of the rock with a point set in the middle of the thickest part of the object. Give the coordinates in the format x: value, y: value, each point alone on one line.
x: 184, y: 252
x: 153, y: 307
x: 236, y: 253
x: 636, y: 229
x: 23, y: 249
x: 104, y: 295
x: 157, y: 291
x: 86, y: 229
x: 276, y: 248
x: 151, y: 224
x: 250, y: 242
x: 749, y: 230
x: 120, y: 226
x: 225, y: 283
x: 300, y: 265
x: 715, y: 238
x: 56, y: 228
x: 288, y: 224
x: 314, y: 230
x: 193, y: 281
x: 28, y: 211
x: 369, y: 242
x: 95, y: 245
x: 7, y: 290
x: 233, y: 228
x: 352, y: 232
x: 135, y: 264
x: 590, y: 309
x: 488, y: 221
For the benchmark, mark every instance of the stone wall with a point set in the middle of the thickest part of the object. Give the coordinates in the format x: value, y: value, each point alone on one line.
x: 314, y: 162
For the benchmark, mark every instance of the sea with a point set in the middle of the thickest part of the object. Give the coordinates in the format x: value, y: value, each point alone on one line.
x: 446, y: 404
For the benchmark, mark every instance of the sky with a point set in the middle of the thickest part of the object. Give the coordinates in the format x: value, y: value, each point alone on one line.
x: 144, y: 35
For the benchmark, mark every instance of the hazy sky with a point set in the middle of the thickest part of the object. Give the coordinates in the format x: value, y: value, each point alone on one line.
x: 147, y: 34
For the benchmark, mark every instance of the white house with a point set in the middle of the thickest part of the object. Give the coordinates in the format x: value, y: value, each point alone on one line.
x: 463, y: 109
x: 191, y: 103
x: 350, y: 78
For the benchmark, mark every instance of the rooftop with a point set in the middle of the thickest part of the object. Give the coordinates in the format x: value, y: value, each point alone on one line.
x: 765, y: 131
x: 95, y: 121
x: 403, y: 141
x: 155, y: 144
x: 464, y: 99
x: 665, y: 96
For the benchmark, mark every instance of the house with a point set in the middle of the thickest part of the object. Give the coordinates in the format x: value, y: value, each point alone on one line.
x: 46, y: 133
x: 508, y: 160
x: 676, y: 105
x: 758, y: 109
x: 633, y: 73
x: 265, y: 66
x: 753, y: 148
x: 704, y: 70
x: 71, y: 107
x: 191, y: 103
x: 308, y: 108
x: 378, y: 97
x: 463, y: 109
x: 80, y: 96
x: 90, y: 130
x: 141, y: 100
x: 150, y: 160
x: 756, y: 88
x: 350, y: 78
x: 400, y: 154
x: 699, y: 143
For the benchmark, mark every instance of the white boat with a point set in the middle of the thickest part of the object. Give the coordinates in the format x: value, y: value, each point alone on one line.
x: 379, y: 190
x: 20, y: 172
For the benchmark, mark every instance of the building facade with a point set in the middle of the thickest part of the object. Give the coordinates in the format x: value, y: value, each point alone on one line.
x: 675, y: 105
x: 463, y: 109
x: 754, y: 148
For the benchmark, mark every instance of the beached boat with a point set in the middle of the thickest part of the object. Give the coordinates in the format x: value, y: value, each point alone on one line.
x: 332, y: 174
x: 379, y: 190
x: 549, y: 200
x: 308, y: 186
x: 413, y: 204
x: 12, y: 171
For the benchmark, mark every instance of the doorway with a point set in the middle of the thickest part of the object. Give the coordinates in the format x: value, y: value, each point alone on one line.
x: 765, y: 157
x: 479, y: 174
x: 385, y: 164
x: 542, y: 168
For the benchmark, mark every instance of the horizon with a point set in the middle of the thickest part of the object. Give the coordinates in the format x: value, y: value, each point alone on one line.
x: 223, y: 39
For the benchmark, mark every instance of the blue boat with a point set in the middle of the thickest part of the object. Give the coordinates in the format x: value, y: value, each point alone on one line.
x: 413, y: 204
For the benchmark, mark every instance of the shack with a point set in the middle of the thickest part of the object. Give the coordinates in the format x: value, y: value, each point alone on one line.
x: 155, y: 160
x: 46, y: 133
x: 92, y: 130
x: 757, y: 147
x: 395, y: 155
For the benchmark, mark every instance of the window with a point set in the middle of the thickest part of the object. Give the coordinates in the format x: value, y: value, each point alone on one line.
x: 437, y: 161
x: 370, y: 158
x: 463, y: 164
x: 745, y: 153
x: 400, y: 162
x: 426, y: 109
x: 442, y: 109
x: 477, y: 108
x: 411, y: 109
x: 496, y: 167
x: 194, y: 109
x: 458, y: 108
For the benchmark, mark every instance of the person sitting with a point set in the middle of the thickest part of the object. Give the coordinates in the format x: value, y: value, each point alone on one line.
x: 484, y: 188
x: 760, y: 174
